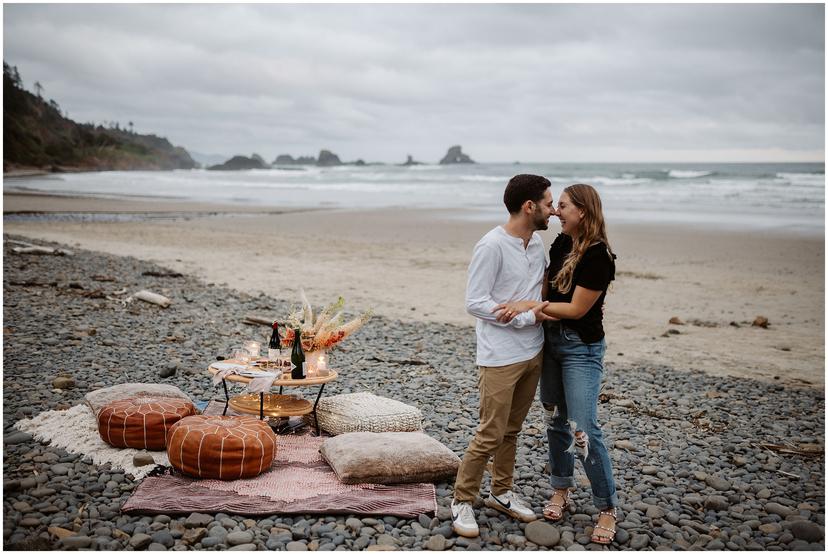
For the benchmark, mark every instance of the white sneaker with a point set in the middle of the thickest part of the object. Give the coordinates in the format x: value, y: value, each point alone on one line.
x: 463, y: 521
x: 510, y: 504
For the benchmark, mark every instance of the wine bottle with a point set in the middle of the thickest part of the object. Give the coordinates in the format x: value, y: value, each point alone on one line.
x: 275, y: 346
x: 297, y: 356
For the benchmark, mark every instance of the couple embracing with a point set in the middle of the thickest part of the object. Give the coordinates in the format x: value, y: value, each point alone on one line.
x: 538, y: 323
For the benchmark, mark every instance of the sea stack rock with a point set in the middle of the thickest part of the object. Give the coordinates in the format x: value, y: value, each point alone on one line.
x: 237, y: 163
x: 328, y: 158
x: 455, y: 155
x: 284, y: 159
x: 259, y: 159
x: 411, y: 161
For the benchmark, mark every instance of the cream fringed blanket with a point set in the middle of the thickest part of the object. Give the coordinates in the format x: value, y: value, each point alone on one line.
x: 76, y: 431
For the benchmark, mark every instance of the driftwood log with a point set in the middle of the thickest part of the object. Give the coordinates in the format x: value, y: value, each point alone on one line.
x: 153, y: 298
x: 253, y: 319
x: 172, y: 274
x: 410, y: 361
x: 29, y: 248
x: 41, y: 250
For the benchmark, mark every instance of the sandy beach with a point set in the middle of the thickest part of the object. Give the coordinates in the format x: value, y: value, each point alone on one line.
x: 411, y: 265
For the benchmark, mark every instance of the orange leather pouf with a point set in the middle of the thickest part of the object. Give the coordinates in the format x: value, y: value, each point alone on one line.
x: 221, y: 447
x: 141, y: 422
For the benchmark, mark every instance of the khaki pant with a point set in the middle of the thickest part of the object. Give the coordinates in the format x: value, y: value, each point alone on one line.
x: 506, y: 394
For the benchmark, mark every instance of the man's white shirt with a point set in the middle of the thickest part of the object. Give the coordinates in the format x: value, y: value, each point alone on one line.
x: 502, y: 270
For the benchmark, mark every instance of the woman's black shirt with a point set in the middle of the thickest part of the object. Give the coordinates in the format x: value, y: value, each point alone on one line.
x: 595, y: 271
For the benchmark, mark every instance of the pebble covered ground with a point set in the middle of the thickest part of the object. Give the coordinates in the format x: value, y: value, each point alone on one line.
x: 695, y: 456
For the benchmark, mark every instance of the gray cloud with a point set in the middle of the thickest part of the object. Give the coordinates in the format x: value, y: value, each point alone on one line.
x: 530, y: 82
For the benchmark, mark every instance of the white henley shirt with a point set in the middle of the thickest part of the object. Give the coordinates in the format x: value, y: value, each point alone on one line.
x: 502, y: 270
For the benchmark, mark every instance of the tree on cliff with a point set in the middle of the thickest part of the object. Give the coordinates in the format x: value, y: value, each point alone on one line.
x: 36, y: 134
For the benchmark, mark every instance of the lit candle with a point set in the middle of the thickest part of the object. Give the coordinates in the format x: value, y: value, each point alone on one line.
x: 253, y: 348
x: 322, y: 365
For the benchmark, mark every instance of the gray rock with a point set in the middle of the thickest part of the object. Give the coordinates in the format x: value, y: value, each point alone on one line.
x: 165, y: 372
x: 60, y: 469
x: 386, y: 540
x: 239, y: 537
x: 778, y: 509
x: 63, y: 382
x: 542, y: 533
x: 198, y: 520
x: 246, y: 547
x: 18, y: 437
x: 716, y: 503
x: 273, y: 544
x: 29, y: 522
x: 163, y: 537
x: 718, y: 483
x: 143, y: 459
x: 22, y: 507
x: 639, y: 541
x: 436, y: 543
x: 446, y: 531
x: 156, y: 547
x: 209, y: 542
x: 518, y: 541
x: 807, y: 531
x: 76, y: 542
x: 296, y: 546
x: 139, y: 541
x: 194, y: 535
x: 654, y: 512
x: 353, y: 524
x: 42, y: 492
x: 770, y: 528
x: 621, y: 535
x: 28, y: 482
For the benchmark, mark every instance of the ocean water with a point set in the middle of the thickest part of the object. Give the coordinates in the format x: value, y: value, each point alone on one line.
x: 789, y: 197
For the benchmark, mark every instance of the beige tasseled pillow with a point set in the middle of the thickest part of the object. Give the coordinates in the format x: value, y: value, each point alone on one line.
x: 385, y: 458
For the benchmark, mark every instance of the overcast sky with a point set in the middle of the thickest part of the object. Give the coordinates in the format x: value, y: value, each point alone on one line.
x: 555, y: 83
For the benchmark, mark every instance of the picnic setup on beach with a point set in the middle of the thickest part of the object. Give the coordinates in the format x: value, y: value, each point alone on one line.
x: 272, y: 443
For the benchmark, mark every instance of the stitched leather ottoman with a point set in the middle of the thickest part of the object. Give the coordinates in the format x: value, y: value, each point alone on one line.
x: 221, y: 447
x: 141, y: 422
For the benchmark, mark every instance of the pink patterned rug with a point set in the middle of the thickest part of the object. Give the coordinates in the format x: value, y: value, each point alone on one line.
x: 299, y: 481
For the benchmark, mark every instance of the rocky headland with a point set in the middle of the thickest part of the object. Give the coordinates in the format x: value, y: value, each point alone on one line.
x: 38, y: 137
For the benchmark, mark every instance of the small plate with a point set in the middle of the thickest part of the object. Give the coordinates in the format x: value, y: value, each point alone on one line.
x: 254, y: 374
x: 219, y: 366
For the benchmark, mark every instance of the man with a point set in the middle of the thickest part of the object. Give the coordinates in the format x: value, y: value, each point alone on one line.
x: 508, y: 263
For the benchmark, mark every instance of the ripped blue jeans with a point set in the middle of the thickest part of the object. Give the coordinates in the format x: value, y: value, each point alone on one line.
x: 569, y: 387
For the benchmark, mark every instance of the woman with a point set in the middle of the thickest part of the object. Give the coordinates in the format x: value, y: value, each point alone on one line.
x: 581, y: 266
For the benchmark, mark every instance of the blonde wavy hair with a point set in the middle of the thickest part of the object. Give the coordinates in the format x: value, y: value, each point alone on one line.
x: 591, y: 229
